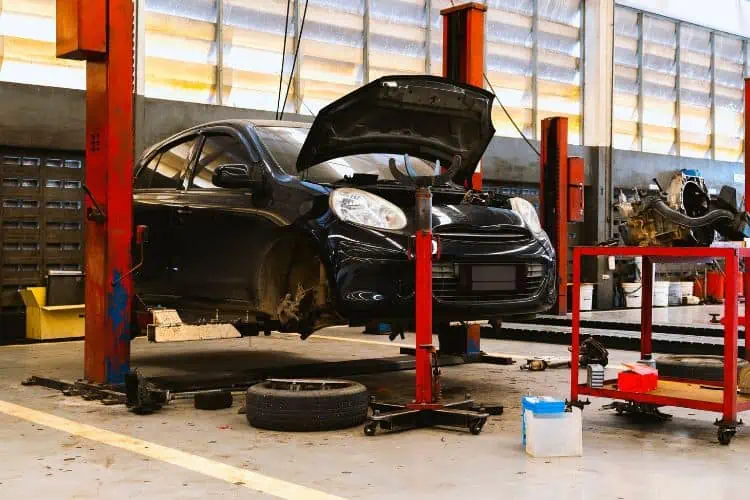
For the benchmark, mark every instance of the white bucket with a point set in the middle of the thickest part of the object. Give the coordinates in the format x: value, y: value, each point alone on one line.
x: 675, y: 293
x: 632, y: 295
x: 587, y: 296
x: 686, y: 288
x: 661, y: 293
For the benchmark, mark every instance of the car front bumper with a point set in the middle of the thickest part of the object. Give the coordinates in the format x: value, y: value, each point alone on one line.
x: 374, y: 277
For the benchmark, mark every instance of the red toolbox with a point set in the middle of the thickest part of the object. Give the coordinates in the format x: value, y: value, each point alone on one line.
x: 637, y: 378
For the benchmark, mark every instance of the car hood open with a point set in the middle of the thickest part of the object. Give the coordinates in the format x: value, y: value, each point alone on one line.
x: 423, y: 116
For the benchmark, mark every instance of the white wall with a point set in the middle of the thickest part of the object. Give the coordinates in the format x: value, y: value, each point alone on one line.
x: 731, y: 16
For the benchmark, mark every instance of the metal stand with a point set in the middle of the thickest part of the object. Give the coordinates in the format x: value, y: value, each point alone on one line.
x: 426, y: 409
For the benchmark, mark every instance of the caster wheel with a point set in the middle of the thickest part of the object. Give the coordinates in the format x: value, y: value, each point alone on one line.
x: 725, y: 435
x: 370, y: 428
x: 476, y: 427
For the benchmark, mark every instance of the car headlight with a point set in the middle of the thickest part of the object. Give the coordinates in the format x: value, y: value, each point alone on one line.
x: 366, y: 209
x: 528, y: 213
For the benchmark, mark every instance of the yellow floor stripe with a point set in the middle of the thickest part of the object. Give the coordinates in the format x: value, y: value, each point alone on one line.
x: 235, y: 475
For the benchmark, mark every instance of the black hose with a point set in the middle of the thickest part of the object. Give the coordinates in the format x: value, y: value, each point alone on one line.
x: 681, y: 219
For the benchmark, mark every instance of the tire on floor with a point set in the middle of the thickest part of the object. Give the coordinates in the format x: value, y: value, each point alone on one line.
x: 306, y: 410
x: 695, y: 367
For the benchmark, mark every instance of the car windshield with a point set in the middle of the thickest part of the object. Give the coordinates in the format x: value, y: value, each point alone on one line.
x: 285, y: 143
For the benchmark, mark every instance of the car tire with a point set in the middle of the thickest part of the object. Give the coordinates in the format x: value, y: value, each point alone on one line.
x: 279, y: 409
x: 694, y: 367
x: 213, y: 400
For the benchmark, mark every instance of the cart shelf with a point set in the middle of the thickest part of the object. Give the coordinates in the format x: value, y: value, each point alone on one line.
x: 670, y: 393
x: 718, y: 397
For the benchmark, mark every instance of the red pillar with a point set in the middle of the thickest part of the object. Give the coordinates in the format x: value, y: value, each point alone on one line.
x: 553, y: 199
x: 746, y: 275
x: 463, y: 52
x: 101, y: 32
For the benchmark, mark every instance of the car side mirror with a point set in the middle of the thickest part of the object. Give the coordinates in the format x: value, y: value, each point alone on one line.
x: 233, y: 176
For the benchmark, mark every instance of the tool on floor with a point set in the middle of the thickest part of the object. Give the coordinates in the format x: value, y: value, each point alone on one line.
x: 426, y: 409
x: 541, y: 364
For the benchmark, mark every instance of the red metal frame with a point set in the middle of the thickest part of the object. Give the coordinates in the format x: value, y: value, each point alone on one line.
x: 109, y: 171
x: 553, y: 167
x: 729, y: 405
x: 463, y: 52
x: 424, y: 348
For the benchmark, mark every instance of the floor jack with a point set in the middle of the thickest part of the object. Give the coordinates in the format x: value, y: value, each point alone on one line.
x: 426, y: 410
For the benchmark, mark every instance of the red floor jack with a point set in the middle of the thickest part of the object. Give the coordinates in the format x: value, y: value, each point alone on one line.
x: 426, y: 410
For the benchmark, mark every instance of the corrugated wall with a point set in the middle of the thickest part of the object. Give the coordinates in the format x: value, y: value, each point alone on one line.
x: 678, y: 88
x: 190, y: 47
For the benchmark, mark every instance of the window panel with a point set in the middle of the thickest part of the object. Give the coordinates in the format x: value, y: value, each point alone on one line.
x: 27, y: 47
x: 180, y: 49
x: 677, y: 95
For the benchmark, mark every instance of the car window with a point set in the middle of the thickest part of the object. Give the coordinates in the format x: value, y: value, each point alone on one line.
x: 220, y: 150
x: 146, y: 174
x: 167, y: 169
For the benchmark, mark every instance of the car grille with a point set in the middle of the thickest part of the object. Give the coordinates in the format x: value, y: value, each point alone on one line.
x: 506, y: 235
x: 447, y: 285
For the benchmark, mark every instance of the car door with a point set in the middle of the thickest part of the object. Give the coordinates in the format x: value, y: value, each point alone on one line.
x: 222, y: 229
x: 157, y: 192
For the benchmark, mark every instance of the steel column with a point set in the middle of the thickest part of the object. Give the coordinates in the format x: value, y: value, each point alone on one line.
x: 678, y: 91
x: 423, y: 291
x: 366, y: 42
x: 553, y: 199
x: 640, y: 80
x: 731, y: 268
x: 575, y: 342
x: 536, y: 126
x: 463, y: 52
x: 109, y: 173
x: 220, y: 52
x: 647, y: 303
x: 713, y: 95
x: 746, y: 142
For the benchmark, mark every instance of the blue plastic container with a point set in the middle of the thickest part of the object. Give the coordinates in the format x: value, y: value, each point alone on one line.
x: 538, y: 405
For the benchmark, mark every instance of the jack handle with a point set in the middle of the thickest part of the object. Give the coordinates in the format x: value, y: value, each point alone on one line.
x: 141, y: 238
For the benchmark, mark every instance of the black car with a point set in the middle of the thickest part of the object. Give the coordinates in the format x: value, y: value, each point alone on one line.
x: 295, y: 226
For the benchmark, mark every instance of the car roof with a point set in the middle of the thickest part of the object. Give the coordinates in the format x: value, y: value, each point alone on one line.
x: 237, y: 124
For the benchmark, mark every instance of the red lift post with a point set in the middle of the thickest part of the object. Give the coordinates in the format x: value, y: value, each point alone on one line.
x: 100, y: 32
x: 561, y: 197
x: 463, y: 52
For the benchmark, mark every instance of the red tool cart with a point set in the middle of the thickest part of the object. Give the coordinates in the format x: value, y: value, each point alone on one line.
x: 696, y: 394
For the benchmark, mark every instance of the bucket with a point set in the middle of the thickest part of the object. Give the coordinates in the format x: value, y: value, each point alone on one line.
x: 675, y: 293
x: 587, y: 296
x: 632, y: 293
x: 715, y: 285
x: 661, y: 293
x: 686, y: 288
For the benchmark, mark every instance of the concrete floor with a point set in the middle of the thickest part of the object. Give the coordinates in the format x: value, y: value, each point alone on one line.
x: 622, y: 459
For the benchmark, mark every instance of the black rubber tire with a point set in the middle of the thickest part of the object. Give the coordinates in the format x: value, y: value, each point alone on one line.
x: 694, y: 367
x: 306, y: 411
x: 213, y: 400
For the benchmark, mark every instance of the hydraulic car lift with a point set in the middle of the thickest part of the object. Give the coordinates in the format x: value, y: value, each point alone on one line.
x: 100, y: 32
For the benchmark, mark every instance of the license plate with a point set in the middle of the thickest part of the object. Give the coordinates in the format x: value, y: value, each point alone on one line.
x: 488, y: 277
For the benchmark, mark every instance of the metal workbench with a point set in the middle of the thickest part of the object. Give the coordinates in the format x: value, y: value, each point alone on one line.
x: 720, y: 397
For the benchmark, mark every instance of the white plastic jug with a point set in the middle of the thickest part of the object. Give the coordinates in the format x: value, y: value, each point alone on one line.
x: 554, y: 434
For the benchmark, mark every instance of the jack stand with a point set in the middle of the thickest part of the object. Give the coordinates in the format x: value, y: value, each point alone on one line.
x: 426, y: 409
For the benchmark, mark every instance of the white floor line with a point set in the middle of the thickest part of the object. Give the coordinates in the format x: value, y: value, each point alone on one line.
x: 235, y: 475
